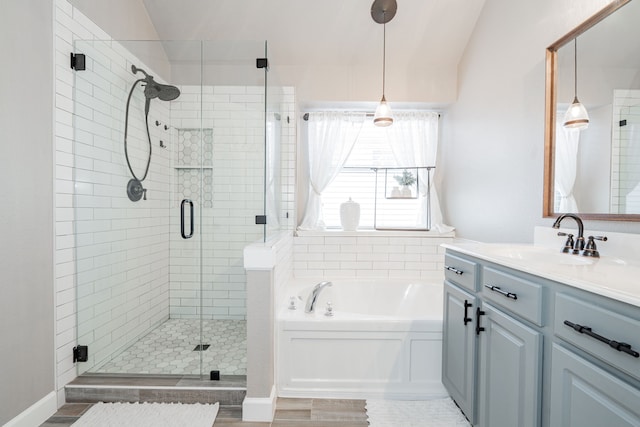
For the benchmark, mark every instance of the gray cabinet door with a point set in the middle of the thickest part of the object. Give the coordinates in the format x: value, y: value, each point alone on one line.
x: 584, y: 395
x: 510, y: 362
x: 459, y: 348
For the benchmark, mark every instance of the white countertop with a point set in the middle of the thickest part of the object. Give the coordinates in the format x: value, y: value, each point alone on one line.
x: 608, y: 276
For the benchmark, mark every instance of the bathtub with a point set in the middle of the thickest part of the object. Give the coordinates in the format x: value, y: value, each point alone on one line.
x: 384, y: 340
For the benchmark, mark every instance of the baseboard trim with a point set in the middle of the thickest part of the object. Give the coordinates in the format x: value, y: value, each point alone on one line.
x: 37, y: 413
x: 259, y: 408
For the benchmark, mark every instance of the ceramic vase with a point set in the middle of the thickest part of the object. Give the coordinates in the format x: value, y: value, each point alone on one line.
x: 349, y: 215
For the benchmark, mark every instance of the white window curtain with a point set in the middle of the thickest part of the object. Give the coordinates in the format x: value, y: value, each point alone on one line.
x: 331, y: 136
x: 566, y: 163
x: 413, y: 138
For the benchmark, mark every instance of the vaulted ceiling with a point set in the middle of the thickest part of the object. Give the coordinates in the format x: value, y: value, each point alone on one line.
x: 424, y: 33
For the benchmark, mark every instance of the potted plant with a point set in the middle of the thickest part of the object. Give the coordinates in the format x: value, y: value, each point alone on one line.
x: 405, y: 180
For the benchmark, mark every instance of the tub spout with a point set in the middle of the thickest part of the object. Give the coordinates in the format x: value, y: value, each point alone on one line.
x: 313, y: 296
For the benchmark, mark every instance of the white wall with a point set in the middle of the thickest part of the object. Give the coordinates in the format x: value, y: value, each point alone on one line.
x: 121, y: 19
x: 492, y: 137
x: 26, y: 201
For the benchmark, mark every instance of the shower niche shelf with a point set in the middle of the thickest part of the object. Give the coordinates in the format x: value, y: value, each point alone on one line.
x: 193, y: 167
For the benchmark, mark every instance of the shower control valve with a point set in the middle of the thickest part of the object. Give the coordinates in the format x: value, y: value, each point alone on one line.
x: 135, y: 191
x: 292, y: 303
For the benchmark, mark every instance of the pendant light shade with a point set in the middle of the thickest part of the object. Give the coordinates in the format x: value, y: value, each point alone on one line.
x: 382, y: 11
x: 383, y: 116
x: 576, y: 116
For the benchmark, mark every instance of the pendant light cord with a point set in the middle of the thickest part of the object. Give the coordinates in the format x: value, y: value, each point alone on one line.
x: 575, y: 68
x: 384, y: 48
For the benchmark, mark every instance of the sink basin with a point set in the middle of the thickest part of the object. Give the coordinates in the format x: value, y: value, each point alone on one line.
x: 538, y: 254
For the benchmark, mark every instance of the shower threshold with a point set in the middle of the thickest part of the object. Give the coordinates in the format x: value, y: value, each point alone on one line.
x: 230, y: 390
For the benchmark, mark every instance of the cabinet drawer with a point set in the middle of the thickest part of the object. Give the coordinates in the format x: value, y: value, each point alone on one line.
x: 460, y: 271
x: 521, y: 297
x: 607, y: 324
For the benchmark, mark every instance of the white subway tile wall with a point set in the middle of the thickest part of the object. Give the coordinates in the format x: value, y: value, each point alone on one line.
x: 121, y: 254
x: 327, y: 257
x: 227, y: 158
x: 625, y: 156
x: 121, y: 248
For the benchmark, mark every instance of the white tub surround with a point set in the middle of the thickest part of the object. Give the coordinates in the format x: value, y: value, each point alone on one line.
x: 384, y: 340
x: 369, y: 253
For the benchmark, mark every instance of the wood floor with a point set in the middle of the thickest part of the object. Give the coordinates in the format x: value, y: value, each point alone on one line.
x: 289, y: 413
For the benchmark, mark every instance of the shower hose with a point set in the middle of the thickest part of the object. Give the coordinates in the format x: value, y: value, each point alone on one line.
x: 126, y: 126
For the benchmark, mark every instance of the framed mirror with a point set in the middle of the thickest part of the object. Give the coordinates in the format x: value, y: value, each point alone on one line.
x: 595, y: 172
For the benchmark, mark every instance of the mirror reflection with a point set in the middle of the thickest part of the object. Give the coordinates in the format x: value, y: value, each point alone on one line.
x: 596, y: 170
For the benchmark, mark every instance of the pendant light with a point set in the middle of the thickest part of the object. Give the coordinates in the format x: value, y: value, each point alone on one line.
x: 383, y: 11
x: 576, y: 116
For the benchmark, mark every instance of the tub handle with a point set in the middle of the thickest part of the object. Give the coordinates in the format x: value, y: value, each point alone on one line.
x: 466, y: 319
x: 454, y: 270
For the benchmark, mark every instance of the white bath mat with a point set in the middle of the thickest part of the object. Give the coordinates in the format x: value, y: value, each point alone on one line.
x: 148, y: 415
x: 409, y: 413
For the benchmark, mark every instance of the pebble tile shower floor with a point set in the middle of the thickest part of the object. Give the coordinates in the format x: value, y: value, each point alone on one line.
x: 169, y: 349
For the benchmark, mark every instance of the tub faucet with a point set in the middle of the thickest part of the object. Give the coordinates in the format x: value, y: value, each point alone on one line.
x: 313, y: 296
x: 579, y: 244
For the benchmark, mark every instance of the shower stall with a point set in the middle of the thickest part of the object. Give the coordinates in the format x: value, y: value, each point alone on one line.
x: 179, y: 148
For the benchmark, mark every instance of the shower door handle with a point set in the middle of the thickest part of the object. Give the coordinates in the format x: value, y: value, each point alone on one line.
x: 191, y: 225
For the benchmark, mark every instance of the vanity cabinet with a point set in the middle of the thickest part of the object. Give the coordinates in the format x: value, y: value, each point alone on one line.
x: 512, y: 356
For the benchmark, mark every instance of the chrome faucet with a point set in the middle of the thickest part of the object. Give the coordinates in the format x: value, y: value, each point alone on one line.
x: 579, y: 243
x: 313, y: 296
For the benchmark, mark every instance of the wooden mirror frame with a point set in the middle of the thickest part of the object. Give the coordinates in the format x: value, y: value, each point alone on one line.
x: 551, y: 82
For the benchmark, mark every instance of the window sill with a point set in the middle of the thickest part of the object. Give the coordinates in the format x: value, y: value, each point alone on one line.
x: 374, y: 233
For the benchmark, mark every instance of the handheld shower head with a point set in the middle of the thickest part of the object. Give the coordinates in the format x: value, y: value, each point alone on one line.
x: 162, y: 91
x: 154, y: 89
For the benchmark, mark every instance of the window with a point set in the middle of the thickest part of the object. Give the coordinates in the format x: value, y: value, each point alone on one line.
x: 349, y: 157
x: 358, y: 179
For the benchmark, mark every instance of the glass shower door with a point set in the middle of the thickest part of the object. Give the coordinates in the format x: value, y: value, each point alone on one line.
x: 161, y: 220
x: 126, y: 214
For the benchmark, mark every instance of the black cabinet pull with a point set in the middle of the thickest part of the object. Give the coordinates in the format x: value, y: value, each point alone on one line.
x: 454, y: 270
x: 191, y: 225
x: 620, y: 346
x: 466, y: 318
x: 501, y: 292
x: 478, y: 314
